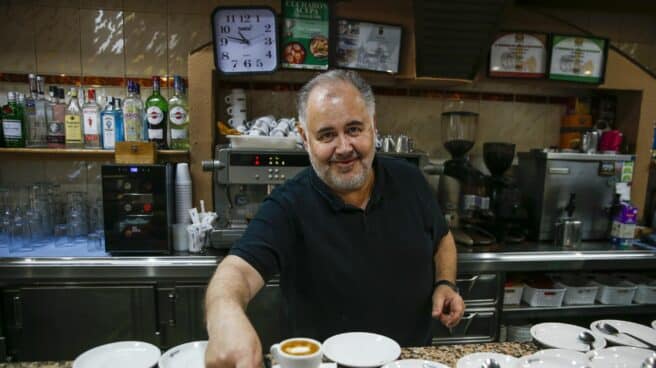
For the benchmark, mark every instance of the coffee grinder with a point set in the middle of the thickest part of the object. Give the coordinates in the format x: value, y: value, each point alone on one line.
x: 505, y: 197
x: 462, y: 192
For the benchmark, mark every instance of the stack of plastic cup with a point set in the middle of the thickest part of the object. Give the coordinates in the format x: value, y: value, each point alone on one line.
x: 182, y: 194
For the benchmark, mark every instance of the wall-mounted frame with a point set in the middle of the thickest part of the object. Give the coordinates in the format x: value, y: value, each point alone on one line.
x: 368, y: 46
x: 579, y: 59
x: 305, y: 34
x: 517, y: 54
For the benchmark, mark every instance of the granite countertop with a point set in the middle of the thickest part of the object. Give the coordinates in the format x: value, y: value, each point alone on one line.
x: 446, y: 354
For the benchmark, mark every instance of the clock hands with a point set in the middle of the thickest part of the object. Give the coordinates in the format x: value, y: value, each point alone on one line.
x: 240, y: 40
x: 244, y: 39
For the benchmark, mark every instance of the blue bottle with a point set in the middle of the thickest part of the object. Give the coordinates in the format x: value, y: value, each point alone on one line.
x: 112, y: 123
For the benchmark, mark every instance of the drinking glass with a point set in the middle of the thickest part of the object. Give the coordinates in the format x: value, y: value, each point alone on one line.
x: 61, y: 236
x: 21, y: 236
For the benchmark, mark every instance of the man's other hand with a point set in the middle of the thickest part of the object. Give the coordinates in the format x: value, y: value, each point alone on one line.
x: 448, y: 306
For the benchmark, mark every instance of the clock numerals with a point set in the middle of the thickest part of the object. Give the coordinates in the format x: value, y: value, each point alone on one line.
x: 245, y: 18
x: 230, y: 18
x: 268, y: 54
x: 223, y: 41
x: 267, y: 27
x: 268, y: 41
x: 259, y: 63
x: 224, y: 29
x: 225, y: 56
x: 247, y: 63
x: 234, y: 63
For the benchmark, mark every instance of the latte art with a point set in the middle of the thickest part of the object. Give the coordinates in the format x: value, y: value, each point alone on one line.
x: 299, y: 347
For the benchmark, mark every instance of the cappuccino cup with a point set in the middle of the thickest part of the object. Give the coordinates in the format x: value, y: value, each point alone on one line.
x: 298, y: 352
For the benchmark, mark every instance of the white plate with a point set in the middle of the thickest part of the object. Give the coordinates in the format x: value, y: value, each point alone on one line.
x: 323, y: 365
x: 361, y: 349
x: 619, y: 357
x: 644, y: 332
x: 124, y: 354
x: 653, y: 324
x: 414, y: 363
x: 189, y: 355
x: 554, y: 358
x: 476, y: 360
x: 266, y: 142
x: 564, y: 336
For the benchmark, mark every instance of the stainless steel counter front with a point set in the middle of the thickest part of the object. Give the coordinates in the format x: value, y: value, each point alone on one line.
x: 524, y: 257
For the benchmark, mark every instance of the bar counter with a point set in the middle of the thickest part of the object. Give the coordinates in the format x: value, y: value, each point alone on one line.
x: 497, y: 258
x: 445, y: 354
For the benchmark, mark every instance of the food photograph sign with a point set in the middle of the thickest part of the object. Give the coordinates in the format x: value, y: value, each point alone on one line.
x: 368, y: 46
x: 518, y: 55
x: 305, y: 34
x: 578, y: 59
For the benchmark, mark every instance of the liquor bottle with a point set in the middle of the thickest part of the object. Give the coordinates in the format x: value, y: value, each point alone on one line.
x: 178, y: 117
x: 13, y: 125
x: 38, y: 129
x: 157, y: 110
x: 91, y: 115
x: 29, y: 111
x: 118, y: 117
x: 108, y: 125
x: 73, y: 122
x: 133, y: 110
x: 55, y: 115
x: 2, y: 136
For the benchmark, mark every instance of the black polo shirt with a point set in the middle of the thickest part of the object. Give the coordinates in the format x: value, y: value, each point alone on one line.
x: 344, y: 269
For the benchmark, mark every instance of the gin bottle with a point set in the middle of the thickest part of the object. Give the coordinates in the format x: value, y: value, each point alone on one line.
x: 73, y: 122
x: 156, y: 116
x: 91, y: 115
x: 38, y: 130
x: 13, y: 125
x: 55, y: 115
x: 29, y: 111
x: 112, y: 125
x: 179, y: 117
x: 133, y: 110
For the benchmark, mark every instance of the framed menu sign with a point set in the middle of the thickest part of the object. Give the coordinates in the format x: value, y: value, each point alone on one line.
x: 305, y: 34
x: 518, y: 55
x: 368, y: 46
x: 578, y: 59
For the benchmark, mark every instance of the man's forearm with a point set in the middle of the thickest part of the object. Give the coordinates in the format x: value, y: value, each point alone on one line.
x: 228, y: 289
x: 446, y: 259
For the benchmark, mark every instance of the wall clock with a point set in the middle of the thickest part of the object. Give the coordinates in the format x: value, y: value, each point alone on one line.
x: 245, y: 40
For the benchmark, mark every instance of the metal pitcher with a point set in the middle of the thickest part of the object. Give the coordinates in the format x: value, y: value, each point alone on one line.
x: 402, y: 144
x: 388, y: 144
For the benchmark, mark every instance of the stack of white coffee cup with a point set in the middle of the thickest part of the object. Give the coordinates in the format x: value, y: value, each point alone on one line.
x: 236, y: 102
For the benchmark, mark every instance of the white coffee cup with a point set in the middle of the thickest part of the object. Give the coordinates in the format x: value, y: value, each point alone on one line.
x: 236, y: 110
x: 298, y: 352
x: 236, y: 122
x: 237, y: 95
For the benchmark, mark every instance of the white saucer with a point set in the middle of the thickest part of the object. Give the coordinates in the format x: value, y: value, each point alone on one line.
x: 189, y: 355
x: 564, y: 336
x: 554, y: 358
x: 641, y: 331
x: 476, y: 360
x: 653, y: 324
x: 414, y: 363
x: 361, y: 349
x: 619, y: 357
x: 124, y: 354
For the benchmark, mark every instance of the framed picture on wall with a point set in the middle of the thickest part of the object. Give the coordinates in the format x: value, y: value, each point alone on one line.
x: 578, y: 58
x: 305, y: 34
x: 518, y: 55
x: 368, y: 46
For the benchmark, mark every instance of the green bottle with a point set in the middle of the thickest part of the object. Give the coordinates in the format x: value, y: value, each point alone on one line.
x: 13, y: 124
x: 157, y: 112
x: 179, y: 117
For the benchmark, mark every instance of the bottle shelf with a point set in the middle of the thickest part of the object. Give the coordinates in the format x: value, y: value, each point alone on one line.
x: 82, y: 154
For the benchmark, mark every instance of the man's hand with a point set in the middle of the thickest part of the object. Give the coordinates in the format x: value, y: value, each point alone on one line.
x: 448, y: 306
x: 233, y: 342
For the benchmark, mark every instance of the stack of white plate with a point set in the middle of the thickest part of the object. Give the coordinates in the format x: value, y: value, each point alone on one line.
x: 564, y: 336
x: 619, y: 357
x: 554, y: 358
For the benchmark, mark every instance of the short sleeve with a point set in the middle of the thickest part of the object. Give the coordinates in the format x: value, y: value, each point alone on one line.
x: 268, y: 237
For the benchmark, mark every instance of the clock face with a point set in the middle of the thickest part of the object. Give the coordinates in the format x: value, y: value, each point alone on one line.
x: 245, y: 40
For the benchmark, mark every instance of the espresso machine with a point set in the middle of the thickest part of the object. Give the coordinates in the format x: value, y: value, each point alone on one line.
x: 509, y: 216
x: 243, y: 177
x: 461, y: 192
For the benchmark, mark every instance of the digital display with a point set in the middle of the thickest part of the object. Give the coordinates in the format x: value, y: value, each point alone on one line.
x: 255, y: 159
x: 134, y: 169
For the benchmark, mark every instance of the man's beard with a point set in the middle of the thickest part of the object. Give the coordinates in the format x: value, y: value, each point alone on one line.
x: 354, y: 179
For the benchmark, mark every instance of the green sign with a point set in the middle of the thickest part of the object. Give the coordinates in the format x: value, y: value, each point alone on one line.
x: 305, y: 34
x: 578, y: 59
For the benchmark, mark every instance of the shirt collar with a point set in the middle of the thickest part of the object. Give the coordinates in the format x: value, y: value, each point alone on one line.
x: 336, y: 202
